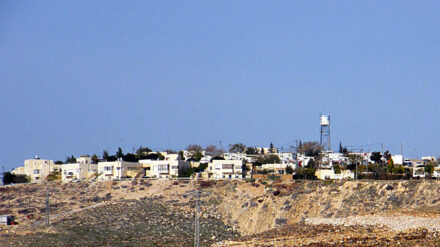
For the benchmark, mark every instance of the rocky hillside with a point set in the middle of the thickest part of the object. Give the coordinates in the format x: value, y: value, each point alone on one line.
x: 258, y: 207
x: 161, y: 212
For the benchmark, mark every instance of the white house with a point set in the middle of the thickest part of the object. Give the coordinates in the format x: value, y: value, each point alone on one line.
x: 234, y: 156
x: 167, y: 168
x: 397, y: 159
x: 37, y: 169
x: 418, y: 171
x: 330, y: 174
x: 277, y: 168
x: 115, y: 170
x: 436, y: 173
x: 82, y: 169
x: 225, y: 169
x: 285, y: 157
x: 303, y: 160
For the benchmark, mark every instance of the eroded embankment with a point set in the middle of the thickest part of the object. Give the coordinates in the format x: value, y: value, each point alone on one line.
x: 261, y: 206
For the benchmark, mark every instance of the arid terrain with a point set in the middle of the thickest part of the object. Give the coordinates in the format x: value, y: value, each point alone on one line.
x: 234, y: 213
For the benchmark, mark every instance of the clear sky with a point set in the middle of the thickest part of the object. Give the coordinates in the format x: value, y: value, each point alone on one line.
x: 78, y: 77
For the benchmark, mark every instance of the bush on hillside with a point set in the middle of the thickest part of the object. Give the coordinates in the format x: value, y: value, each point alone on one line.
x: 10, y: 178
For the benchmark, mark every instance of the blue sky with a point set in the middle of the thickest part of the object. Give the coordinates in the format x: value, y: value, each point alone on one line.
x: 78, y: 77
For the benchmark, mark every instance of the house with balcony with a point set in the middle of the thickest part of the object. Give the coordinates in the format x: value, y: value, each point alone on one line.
x: 116, y: 170
x: 224, y: 169
x: 167, y: 168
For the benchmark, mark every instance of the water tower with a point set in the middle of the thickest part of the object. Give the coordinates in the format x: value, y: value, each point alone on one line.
x: 325, y: 133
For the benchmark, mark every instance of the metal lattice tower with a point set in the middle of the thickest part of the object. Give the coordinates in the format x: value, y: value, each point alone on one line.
x: 197, y: 222
x: 325, y: 133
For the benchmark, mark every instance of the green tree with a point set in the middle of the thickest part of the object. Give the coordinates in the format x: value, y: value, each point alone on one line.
x: 341, y: 150
x: 268, y: 159
x: 95, y: 159
x: 244, y: 169
x: 251, y: 150
x: 105, y: 155
x: 70, y: 160
x: 337, y: 169
x: 185, y: 172
x: 129, y: 157
x: 390, y: 166
x: 155, y: 156
x: 289, y: 170
x: 197, y: 156
x: 143, y: 151
x: 9, y: 178
x: 181, y: 156
x: 310, y: 149
x: 376, y: 157
x: 119, y: 153
x: 305, y: 173
x: 376, y: 169
x: 237, y: 148
x: 311, y: 163
x: 271, y: 148
x: 429, y: 168
x: 387, y: 155
x: 399, y: 170
x: 59, y: 162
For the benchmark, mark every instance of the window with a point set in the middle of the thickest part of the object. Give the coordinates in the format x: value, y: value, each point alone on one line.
x: 174, y: 167
x: 36, y: 171
x: 108, y: 168
x: 163, y: 168
x: 227, y: 166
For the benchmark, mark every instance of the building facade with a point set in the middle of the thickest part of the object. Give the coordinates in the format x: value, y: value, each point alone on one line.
x: 225, y: 169
x: 37, y: 169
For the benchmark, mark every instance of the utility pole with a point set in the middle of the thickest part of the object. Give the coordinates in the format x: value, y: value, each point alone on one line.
x: 47, y: 205
x: 356, y: 170
x: 197, y: 222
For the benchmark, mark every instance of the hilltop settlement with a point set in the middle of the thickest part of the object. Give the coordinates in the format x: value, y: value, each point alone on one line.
x: 308, y: 161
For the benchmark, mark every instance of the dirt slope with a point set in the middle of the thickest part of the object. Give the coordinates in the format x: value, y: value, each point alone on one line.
x: 251, y: 208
